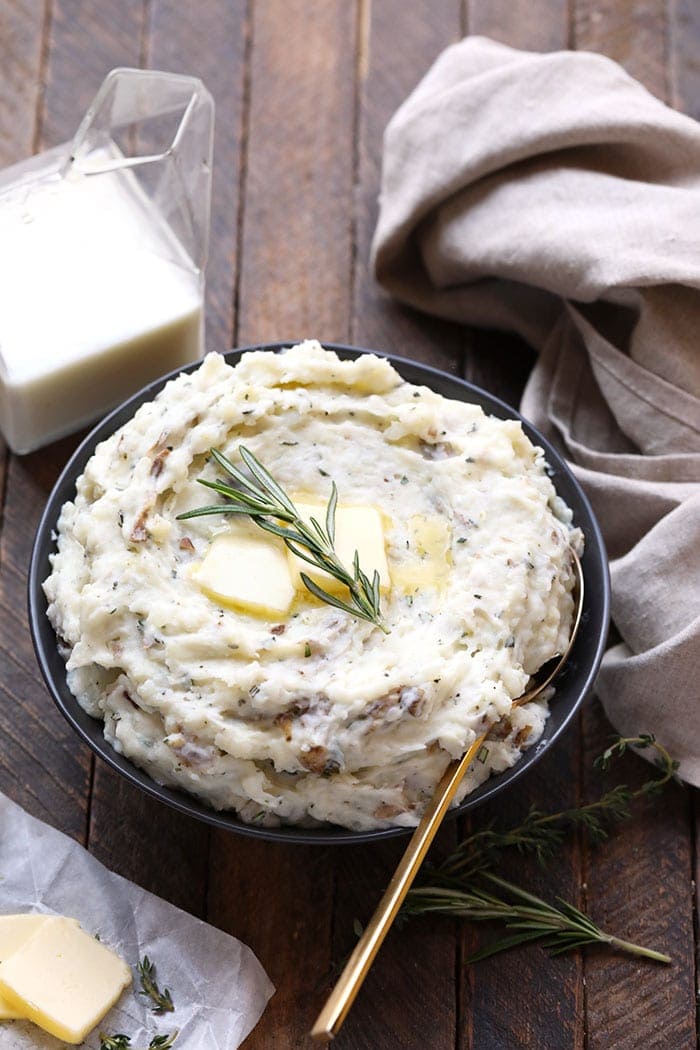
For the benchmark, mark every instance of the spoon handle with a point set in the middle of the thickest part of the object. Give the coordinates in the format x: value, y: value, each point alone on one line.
x: 340, y: 1000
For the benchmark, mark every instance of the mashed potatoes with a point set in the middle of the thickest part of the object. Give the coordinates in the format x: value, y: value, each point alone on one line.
x: 318, y: 716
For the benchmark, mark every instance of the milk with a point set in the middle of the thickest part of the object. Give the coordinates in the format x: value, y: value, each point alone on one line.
x: 97, y: 297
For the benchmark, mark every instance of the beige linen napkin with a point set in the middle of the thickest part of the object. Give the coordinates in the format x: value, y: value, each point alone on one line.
x: 551, y: 195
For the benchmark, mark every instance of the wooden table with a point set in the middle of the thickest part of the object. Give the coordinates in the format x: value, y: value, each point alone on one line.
x: 303, y: 90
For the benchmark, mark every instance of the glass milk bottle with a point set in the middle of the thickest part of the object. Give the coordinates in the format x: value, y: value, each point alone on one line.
x: 103, y: 243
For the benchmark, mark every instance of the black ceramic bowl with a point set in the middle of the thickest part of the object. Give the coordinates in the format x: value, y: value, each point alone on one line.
x: 573, y: 684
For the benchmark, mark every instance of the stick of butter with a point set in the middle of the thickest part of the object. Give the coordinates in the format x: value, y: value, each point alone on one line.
x: 63, y: 979
x: 14, y: 931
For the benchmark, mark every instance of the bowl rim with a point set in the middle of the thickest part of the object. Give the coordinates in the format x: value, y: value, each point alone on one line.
x: 89, y: 729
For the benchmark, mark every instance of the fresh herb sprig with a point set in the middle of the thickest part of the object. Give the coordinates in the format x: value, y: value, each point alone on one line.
x: 527, y: 917
x: 162, y: 1002
x: 123, y: 1042
x: 542, y: 834
x: 264, y: 501
x: 465, y: 886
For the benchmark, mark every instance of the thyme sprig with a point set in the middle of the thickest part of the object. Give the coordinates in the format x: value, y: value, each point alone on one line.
x: 264, y: 501
x: 123, y: 1042
x: 162, y: 1001
x: 465, y: 886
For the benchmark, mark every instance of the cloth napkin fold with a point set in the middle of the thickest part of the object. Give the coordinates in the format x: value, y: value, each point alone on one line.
x: 218, y: 986
x: 553, y: 196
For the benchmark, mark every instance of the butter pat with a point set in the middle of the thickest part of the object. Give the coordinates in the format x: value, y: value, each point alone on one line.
x: 248, y: 572
x: 63, y: 980
x: 14, y: 931
x: 356, y: 529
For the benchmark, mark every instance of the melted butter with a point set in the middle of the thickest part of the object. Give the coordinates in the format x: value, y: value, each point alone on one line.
x: 428, y: 559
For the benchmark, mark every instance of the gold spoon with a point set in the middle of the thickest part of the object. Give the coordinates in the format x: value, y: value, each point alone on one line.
x: 331, y: 1017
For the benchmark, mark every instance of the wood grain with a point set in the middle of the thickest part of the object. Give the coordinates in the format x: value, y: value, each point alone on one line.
x: 637, y: 886
x: 210, y: 40
x: 298, y: 186
x: 387, y: 74
x: 87, y: 39
x: 410, y: 993
x: 684, y: 56
x: 42, y: 764
x: 633, y: 32
x: 534, y: 25
x: 22, y: 30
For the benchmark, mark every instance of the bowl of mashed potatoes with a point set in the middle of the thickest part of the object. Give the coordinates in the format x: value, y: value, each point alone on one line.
x: 189, y: 653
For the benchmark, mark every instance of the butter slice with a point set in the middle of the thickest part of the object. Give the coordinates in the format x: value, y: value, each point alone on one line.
x: 14, y: 931
x: 248, y: 572
x: 63, y: 979
x: 356, y: 529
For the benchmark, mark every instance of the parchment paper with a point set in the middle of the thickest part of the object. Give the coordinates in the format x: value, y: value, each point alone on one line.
x: 218, y: 986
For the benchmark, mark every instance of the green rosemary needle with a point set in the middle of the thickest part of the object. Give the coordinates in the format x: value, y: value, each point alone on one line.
x: 262, y: 499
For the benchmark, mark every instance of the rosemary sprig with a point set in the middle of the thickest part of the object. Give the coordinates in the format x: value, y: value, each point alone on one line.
x: 541, y: 833
x: 559, y: 929
x: 162, y: 1001
x: 265, y: 502
x: 464, y: 884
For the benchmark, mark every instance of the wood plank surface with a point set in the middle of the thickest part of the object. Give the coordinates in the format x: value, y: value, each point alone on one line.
x: 297, y: 194
x: 684, y: 57
x: 211, y: 40
x: 304, y: 89
x: 633, y: 32
x: 637, y: 886
x: 534, y: 25
x: 386, y: 76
